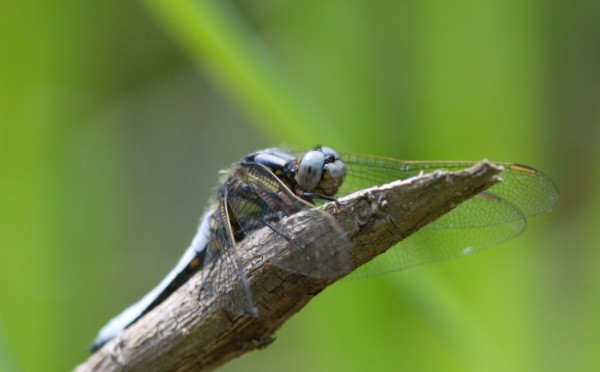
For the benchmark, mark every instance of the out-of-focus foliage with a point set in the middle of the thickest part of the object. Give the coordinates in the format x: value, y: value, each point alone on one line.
x: 116, y: 116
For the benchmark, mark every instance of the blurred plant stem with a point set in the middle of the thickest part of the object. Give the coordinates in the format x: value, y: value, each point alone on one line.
x: 224, y: 46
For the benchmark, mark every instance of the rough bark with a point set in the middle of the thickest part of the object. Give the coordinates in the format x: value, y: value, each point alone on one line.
x: 186, y: 335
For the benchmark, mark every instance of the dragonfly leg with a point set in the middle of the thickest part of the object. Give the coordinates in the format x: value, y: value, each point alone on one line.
x: 312, y: 195
x: 275, y: 229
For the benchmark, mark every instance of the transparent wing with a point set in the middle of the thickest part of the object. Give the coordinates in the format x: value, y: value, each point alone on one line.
x: 494, y: 216
x: 260, y: 198
x: 224, y: 279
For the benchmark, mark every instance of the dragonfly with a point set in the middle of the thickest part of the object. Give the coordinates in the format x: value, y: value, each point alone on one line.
x: 269, y: 185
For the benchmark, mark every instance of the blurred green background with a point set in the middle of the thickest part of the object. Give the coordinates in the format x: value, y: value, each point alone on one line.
x: 115, y: 117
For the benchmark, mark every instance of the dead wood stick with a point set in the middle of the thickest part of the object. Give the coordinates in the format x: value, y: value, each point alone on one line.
x: 184, y: 335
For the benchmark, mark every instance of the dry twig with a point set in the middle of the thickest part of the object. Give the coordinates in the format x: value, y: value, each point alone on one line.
x: 182, y: 334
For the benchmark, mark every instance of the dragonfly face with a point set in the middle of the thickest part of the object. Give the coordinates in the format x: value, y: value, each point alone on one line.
x: 269, y: 185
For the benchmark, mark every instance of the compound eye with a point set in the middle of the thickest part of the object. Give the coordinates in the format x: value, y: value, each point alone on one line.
x: 330, y: 154
x: 310, y: 170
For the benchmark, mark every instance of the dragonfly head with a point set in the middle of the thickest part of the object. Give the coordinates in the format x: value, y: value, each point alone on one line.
x: 321, y: 171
